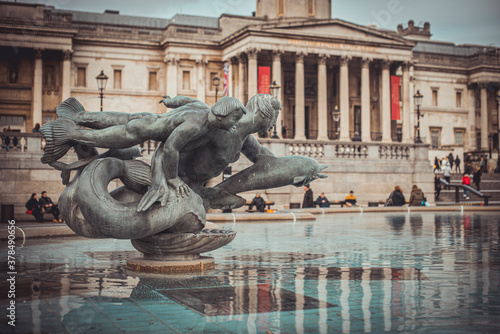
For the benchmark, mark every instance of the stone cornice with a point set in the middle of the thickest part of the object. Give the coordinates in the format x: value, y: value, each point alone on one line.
x: 22, y: 30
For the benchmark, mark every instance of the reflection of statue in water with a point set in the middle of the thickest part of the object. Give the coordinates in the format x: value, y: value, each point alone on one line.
x: 197, y: 144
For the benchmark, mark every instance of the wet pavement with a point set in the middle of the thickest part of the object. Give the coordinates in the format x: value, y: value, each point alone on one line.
x: 386, y: 272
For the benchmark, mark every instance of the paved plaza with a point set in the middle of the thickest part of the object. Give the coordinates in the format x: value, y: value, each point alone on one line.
x: 373, y: 272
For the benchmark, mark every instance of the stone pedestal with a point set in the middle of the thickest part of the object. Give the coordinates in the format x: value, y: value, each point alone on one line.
x: 178, y: 253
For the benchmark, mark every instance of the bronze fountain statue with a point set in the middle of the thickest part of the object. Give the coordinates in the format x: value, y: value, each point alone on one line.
x: 162, y: 207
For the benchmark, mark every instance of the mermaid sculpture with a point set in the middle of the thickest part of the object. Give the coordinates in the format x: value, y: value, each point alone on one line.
x: 159, y: 205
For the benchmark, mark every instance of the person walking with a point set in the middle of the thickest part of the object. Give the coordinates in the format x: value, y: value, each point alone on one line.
x: 417, y: 197
x: 466, y: 182
x: 482, y: 165
x: 436, y: 164
x: 447, y: 174
x: 437, y: 186
x: 450, y: 160
x: 477, y: 177
x: 308, y: 201
x: 457, y: 165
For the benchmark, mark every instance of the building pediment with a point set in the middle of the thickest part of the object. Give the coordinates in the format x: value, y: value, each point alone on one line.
x: 336, y: 29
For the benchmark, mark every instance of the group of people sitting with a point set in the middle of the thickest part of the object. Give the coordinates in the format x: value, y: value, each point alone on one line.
x: 417, y: 197
x: 322, y: 201
x: 37, y: 207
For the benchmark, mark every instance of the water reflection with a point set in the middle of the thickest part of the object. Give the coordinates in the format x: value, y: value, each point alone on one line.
x: 372, y: 275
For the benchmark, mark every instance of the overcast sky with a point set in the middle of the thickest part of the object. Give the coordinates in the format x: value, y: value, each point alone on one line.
x: 458, y: 21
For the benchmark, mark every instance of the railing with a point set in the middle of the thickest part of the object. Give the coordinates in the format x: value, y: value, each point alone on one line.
x: 21, y: 142
x: 33, y: 142
x: 472, y: 190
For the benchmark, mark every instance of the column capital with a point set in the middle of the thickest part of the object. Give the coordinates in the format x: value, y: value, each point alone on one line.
x: 405, y: 66
x: 344, y: 60
x: 234, y: 60
x: 171, y: 60
x: 242, y: 57
x: 322, y: 58
x: 386, y: 63
x: 277, y: 54
x: 67, y: 54
x: 299, y: 57
x: 365, y: 62
x: 252, y: 53
x: 483, y: 84
x: 201, y: 62
x: 38, y: 53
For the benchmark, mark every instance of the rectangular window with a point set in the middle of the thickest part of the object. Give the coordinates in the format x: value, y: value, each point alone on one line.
x: 117, y: 79
x: 152, y: 81
x: 281, y: 7
x: 434, y: 97
x: 459, y: 137
x: 310, y: 7
x: 81, y: 77
x: 435, y: 138
x: 458, y: 99
x: 49, y: 76
x: 186, y: 80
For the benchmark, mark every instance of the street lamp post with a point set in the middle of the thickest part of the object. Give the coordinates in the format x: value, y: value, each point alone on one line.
x: 498, y: 134
x: 274, y: 88
x: 216, y: 82
x: 336, y: 118
x: 102, y: 79
x: 418, y: 102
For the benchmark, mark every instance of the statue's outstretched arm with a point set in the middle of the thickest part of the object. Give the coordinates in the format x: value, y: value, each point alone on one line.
x: 165, y: 166
x: 178, y: 101
x: 252, y: 149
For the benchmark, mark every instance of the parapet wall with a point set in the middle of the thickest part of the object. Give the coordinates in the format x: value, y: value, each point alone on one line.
x: 370, y: 170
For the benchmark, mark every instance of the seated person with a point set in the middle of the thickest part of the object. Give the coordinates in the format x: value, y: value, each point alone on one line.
x: 33, y: 207
x: 259, y: 203
x: 47, y: 205
x: 322, y: 201
x: 398, y: 199
x: 350, y: 200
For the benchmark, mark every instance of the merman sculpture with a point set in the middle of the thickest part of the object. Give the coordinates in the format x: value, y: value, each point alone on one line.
x: 162, y: 207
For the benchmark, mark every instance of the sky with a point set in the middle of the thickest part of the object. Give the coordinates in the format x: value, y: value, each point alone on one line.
x: 457, y: 21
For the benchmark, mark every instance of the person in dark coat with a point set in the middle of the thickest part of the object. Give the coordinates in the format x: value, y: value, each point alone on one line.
x: 259, y: 203
x: 49, y: 206
x: 437, y: 166
x: 308, y: 201
x: 33, y: 207
x: 457, y: 165
x: 398, y: 199
x: 477, y: 177
x: 437, y: 186
x: 451, y: 160
x: 322, y: 201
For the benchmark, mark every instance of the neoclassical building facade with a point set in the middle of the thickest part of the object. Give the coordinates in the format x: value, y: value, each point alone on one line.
x: 322, y: 65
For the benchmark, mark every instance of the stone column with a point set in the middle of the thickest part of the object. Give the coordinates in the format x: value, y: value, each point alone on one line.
x: 385, y: 114
x: 36, y: 105
x: 233, y: 71
x: 171, y: 79
x: 66, y: 75
x: 484, y: 117
x: 344, y: 98
x: 200, y: 82
x: 365, y: 101
x: 472, y: 118
x: 252, y: 72
x: 276, y: 77
x: 322, y: 99
x: 406, y: 103
x: 241, y: 78
x: 299, y: 97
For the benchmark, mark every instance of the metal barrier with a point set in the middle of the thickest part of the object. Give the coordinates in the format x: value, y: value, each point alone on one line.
x: 472, y: 190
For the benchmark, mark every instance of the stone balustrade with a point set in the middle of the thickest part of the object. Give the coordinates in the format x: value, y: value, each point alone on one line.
x: 21, y: 142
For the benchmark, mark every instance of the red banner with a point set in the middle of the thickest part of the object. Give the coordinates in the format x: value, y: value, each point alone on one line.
x: 395, y: 98
x: 264, y: 79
